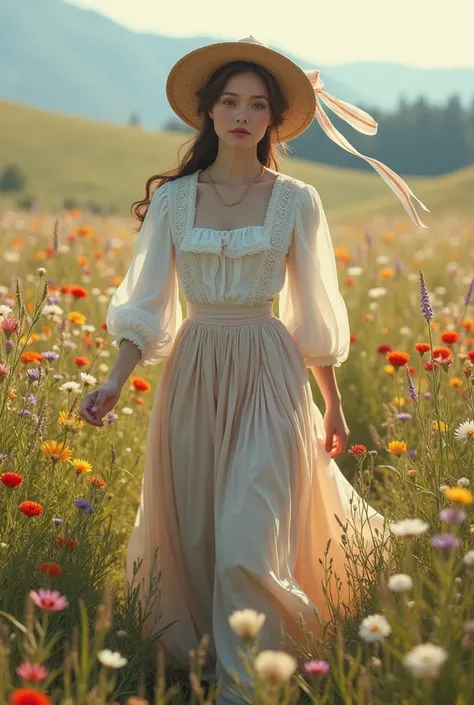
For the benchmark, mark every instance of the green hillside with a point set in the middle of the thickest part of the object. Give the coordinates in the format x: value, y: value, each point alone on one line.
x: 65, y: 157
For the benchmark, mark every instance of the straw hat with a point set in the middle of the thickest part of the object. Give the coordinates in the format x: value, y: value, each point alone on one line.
x: 194, y: 69
x: 304, y: 91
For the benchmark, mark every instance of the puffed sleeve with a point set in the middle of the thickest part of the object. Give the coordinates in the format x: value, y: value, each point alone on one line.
x: 145, y: 308
x: 311, y: 306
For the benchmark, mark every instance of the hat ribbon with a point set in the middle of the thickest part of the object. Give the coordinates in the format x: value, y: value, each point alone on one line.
x: 365, y: 123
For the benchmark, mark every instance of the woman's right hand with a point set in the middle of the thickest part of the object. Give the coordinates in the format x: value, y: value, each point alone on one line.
x: 99, y: 402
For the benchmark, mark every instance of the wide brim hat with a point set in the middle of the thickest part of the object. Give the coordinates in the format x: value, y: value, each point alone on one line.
x: 194, y: 69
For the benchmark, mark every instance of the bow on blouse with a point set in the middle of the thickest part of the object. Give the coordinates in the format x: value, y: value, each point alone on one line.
x: 365, y: 123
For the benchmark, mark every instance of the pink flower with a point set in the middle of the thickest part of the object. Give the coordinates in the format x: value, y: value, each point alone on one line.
x: 4, y: 371
x: 9, y: 326
x: 316, y: 667
x: 32, y: 672
x: 49, y: 600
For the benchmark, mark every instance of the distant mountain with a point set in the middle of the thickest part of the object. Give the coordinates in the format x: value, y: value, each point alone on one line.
x: 60, y: 57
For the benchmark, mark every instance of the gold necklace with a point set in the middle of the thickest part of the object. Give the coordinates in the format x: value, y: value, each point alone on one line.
x: 243, y: 195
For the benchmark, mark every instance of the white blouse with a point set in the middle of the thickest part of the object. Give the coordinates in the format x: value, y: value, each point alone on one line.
x: 291, y: 254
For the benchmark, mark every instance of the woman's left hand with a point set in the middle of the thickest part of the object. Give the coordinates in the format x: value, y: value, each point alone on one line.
x: 337, y: 431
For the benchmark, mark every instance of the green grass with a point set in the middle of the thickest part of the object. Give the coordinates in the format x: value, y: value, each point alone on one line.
x: 67, y: 157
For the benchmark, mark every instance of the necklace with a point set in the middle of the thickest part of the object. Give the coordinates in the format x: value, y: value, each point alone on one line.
x: 243, y: 195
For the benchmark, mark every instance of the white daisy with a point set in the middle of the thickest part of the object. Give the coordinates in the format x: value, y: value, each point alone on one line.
x: 409, y: 528
x: 465, y: 432
x: 246, y: 623
x: 88, y: 379
x: 463, y: 482
x: 425, y: 661
x: 111, y: 659
x: 70, y: 387
x: 400, y: 582
x: 52, y: 311
x: 468, y: 559
x: 377, y: 292
x: 127, y: 411
x: 374, y: 628
x: 275, y: 666
x: 5, y: 310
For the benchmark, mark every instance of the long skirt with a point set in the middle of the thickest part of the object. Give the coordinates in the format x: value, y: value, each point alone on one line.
x: 239, y: 495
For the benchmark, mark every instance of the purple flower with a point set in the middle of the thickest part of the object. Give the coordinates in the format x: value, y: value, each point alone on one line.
x: 9, y: 344
x: 411, y: 452
x: 57, y: 521
x: 445, y: 542
x: 53, y: 299
x: 412, y: 393
x: 368, y: 238
x: 24, y: 412
x: 467, y: 298
x: 451, y: 515
x: 58, y: 376
x: 83, y: 505
x: 69, y: 345
x: 398, y: 266
x: 404, y: 416
x: 50, y: 355
x: 111, y: 417
x: 34, y: 374
x: 426, y: 308
x: 316, y: 667
x: 31, y: 400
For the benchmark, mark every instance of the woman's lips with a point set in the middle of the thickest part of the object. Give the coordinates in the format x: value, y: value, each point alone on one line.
x: 240, y: 133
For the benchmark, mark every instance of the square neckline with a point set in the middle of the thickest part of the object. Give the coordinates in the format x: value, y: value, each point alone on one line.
x: 193, y: 228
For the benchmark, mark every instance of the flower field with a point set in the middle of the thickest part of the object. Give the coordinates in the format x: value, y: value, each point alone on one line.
x: 70, y: 630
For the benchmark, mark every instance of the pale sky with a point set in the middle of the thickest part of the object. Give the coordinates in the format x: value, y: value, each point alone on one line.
x: 419, y: 33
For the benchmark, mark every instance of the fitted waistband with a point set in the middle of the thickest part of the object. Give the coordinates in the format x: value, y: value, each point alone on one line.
x: 223, y: 314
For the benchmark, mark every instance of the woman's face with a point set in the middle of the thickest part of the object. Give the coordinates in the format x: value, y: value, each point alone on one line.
x: 244, y: 104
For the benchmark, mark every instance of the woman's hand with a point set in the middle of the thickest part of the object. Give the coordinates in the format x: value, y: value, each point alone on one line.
x: 99, y: 402
x: 337, y: 431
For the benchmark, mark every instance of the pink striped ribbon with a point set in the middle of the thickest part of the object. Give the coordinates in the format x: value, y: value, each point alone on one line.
x: 365, y: 123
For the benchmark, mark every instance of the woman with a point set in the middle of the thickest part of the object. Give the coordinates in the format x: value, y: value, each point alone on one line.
x: 241, y: 492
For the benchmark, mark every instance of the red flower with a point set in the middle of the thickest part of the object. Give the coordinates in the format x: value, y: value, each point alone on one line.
x: 28, y: 696
x: 444, y: 353
x: 78, y: 292
x: 52, y: 569
x: 450, y: 337
x: 11, y: 479
x: 412, y: 371
x: 81, y: 362
x: 422, y: 347
x: 384, y: 348
x: 397, y: 358
x: 470, y: 355
x: 357, y: 449
x: 97, y: 482
x: 428, y: 366
x: 353, y: 338
x: 103, y: 326
x: 69, y: 544
x: 64, y: 289
x: 140, y: 384
x: 30, y: 509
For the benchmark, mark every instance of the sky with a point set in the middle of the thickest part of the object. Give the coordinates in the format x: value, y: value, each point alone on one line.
x: 418, y: 33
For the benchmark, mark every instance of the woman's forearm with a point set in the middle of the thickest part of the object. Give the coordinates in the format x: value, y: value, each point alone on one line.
x: 128, y: 356
x: 327, y: 383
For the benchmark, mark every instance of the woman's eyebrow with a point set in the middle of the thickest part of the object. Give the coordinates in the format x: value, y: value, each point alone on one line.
x: 252, y: 96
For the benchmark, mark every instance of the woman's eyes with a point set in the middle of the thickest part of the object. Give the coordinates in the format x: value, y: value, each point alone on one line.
x: 228, y: 100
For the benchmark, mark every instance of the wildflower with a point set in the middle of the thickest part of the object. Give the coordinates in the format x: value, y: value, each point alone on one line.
x: 422, y: 348
x: 52, y: 569
x: 97, y: 482
x: 121, y: 633
x: 78, y: 292
x: 5, y: 310
x: 111, y: 417
x: 400, y: 582
x: 30, y: 509
x: 34, y: 375
x: 31, y: 356
x: 68, y: 544
x: 409, y: 528
x: 397, y: 359
x: 275, y: 667
x: 140, y: 384
x: 246, y: 623
x: 384, y: 348
x: 83, y: 505
x: 50, y: 355
x: 465, y: 432
x: 425, y: 305
x: 28, y: 696
x: 32, y: 672
x: 4, y: 371
x: 441, y: 354
x: 450, y: 337
x: 52, y: 311
x: 463, y: 482
x: 111, y: 659
x: 468, y: 559
x: 11, y: 479
x: 460, y: 495
x: 374, y: 628
x: 316, y: 667
x: 88, y: 379
x: 441, y: 426
x: 445, y: 542
x: 81, y: 465
x: 73, y: 422
x: 357, y: 449
x: 452, y: 516
x: 81, y: 361
x: 397, y: 447
x: 49, y: 600
x: 10, y: 326
x: 425, y: 661
x: 56, y: 451
x: 127, y: 411
x: 57, y: 521
x: 404, y: 416
x: 77, y: 318
x: 69, y: 387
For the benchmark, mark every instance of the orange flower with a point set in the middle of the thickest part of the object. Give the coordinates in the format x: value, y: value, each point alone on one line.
x: 52, y: 569
x: 31, y: 356
x: 46, y: 330
x: 30, y: 509
x: 422, y: 347
x: 97, y: 482
x: 78, y: 292
x: 28, y: 696
x: 84, y: 230
x: 450, y: 337
x: 387, y: 273
x: 68, y: 544
x: 56, y: 451
x: 64, y: 288
x: 455, y: 382
x: 397, y: 358
x: 468, y: 324
x: 81, y: 362
x: 443, y: 353
x: 82, y: 261
x: 140, y: 384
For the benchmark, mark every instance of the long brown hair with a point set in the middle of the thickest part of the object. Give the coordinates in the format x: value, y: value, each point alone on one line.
x: 203, y: 147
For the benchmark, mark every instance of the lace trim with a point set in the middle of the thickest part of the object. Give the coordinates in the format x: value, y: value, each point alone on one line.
x: 221, y: 247
x: 321, y: 362
x: 133, y: 337
x: 279, y: 215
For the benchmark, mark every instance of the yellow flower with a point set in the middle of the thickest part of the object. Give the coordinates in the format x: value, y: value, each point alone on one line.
x: 82, y: 465
x: 78, y: 318
x: 397, y: 447
x: 442, y: 426
x: 388, y: 237
x: 56, y: 451
x: 398, y: 401
x: 455, y: 382
x: 389, y: 369
x: 72, y: 422
x: 387, y: 273
x: 461, y: 495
